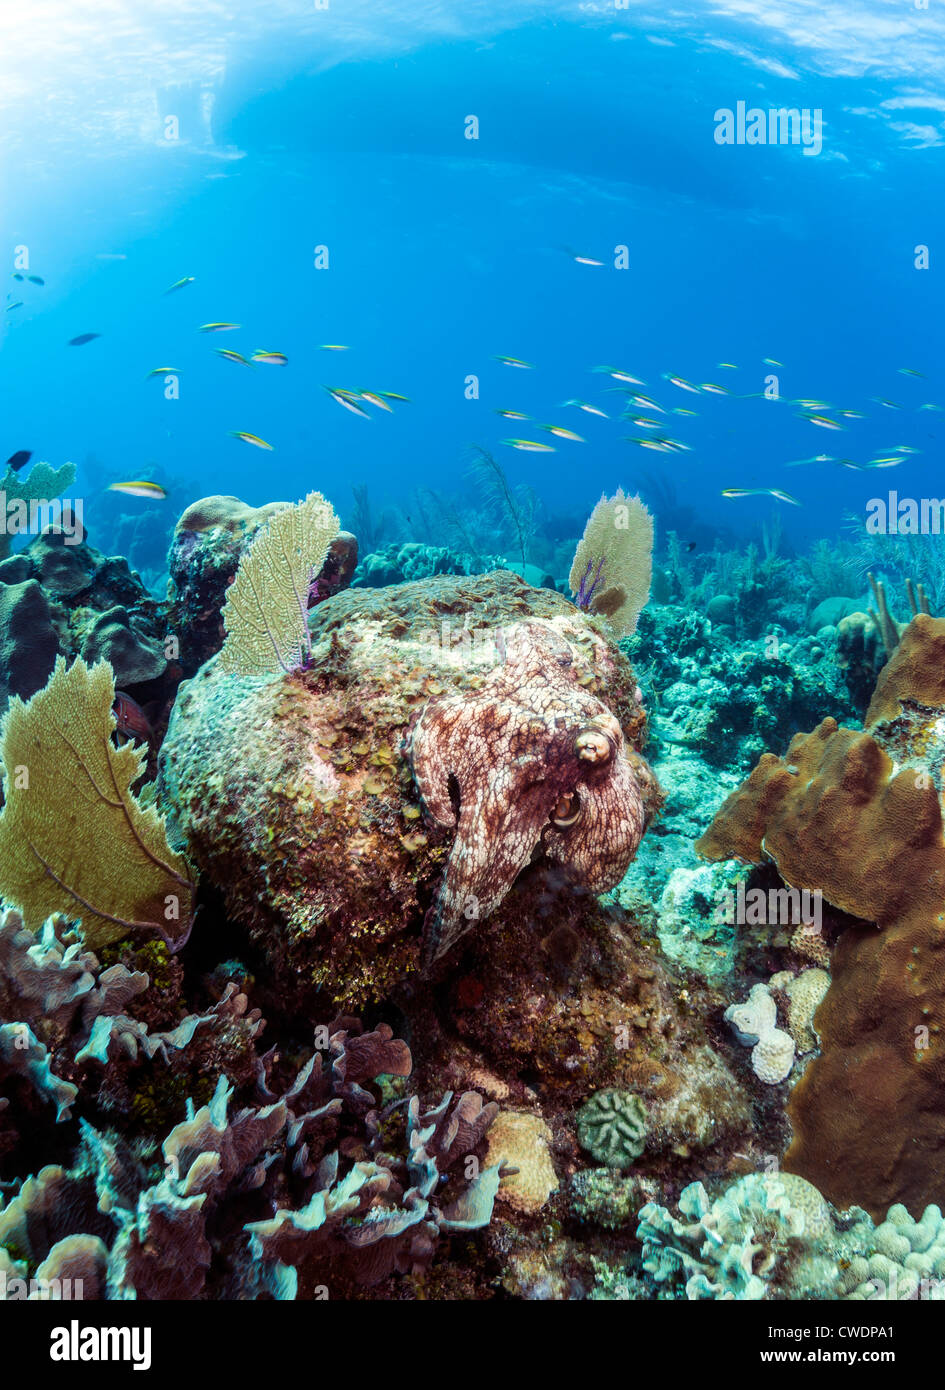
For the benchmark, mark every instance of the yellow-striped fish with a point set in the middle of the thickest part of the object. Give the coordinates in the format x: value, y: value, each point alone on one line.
x: 760, y: 492
x: 179, y: 284
x: 530, y: 446
x: 658, y: 445
x: 823, y: 422
x: 562, y: 433
x: 140, y: 487
x: 349, y: 399
x: 619, y: 374
x: 513, y: 414
x: 232, y: 356
x: 162, y: 371
x: 513, y: 362
x: 275, y: 359
x: 248, y: 438
x: 218, y: 327
x: 374, y: 399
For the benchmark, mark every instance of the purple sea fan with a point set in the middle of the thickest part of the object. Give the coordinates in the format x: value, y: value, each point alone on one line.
x: 590, y: 583
x: 613, y: 563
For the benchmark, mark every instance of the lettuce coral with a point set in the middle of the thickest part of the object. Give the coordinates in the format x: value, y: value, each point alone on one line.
x: 319, y: 1182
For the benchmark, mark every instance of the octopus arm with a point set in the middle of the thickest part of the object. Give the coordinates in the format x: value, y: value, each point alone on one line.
x: 499, y: 827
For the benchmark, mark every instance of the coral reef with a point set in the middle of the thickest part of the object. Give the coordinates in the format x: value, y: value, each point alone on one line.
x: 404, y: 562
x: 769, y: 1234
x: 730, y: 701
x: 320, y: 1183
x: 857, y: 816
x: 59, y: 599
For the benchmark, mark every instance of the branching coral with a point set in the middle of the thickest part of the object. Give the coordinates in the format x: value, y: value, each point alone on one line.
x: 62, y: 1015
x: 42, y: 484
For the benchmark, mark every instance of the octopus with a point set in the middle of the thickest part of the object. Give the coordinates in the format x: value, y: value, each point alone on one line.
x: 447, y: 730
x: 530, y: 759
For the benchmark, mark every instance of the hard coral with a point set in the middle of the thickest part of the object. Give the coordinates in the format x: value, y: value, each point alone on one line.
x: 612, y: 1127
x: 862, y: 824
x: 764, y: 1230
x: 522, y: 1141
x: 317, y: 1183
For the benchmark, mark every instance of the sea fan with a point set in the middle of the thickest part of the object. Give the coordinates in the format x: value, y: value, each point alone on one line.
x: 613, y: 563
x: 266, y: 611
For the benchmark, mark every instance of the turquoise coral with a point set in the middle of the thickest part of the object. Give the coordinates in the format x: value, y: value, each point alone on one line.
x: 612, y: 1127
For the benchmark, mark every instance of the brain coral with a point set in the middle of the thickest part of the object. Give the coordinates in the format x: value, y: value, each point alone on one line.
x: 859, y: 816
x: 296, y: 793
x: 612, y: 1127
x: 522, y: 1141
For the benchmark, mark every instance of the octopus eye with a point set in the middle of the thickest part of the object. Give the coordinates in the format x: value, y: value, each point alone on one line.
x: 593, y: 746
x: 567, y: 812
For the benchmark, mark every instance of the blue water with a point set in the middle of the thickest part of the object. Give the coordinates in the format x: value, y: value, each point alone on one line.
x: 345, y: 128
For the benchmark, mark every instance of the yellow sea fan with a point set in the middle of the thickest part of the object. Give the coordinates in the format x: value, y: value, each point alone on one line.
x: 266, y: 610
x: 73, y: 837
x: 613, y: 563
